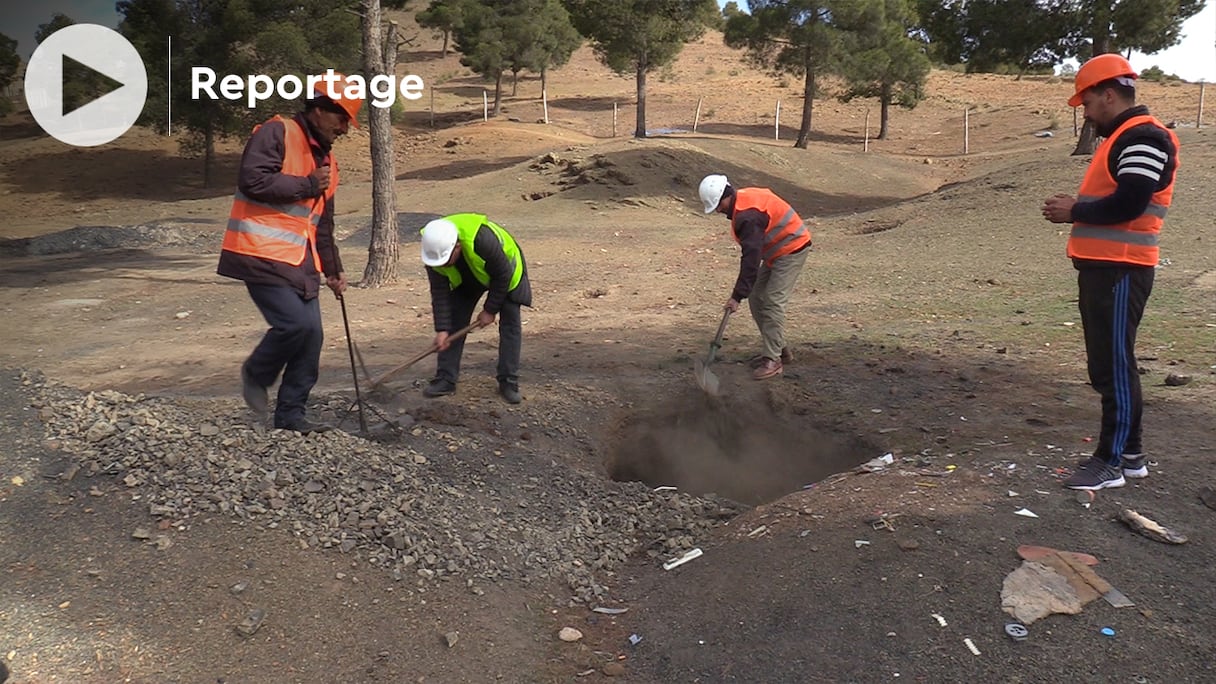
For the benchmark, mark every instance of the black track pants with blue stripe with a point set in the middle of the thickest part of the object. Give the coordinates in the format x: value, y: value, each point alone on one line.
x: 1112, y: 301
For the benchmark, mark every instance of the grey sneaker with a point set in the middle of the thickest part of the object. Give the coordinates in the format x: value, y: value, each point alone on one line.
x: 1135, y: 466
x: 1096, y: 474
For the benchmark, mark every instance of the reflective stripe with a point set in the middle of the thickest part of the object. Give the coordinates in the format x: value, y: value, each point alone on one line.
x: 785, y: 220
x: 1084, y: 230
x: 772, y: 249
x: 1153, y: 209
x: 252, y: 228
x: 291, y: 209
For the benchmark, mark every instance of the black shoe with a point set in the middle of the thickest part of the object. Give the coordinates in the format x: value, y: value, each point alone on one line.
x: 304, y: 426
x: 509, y: 392
x: 439, y: 387
x: 255, y: 395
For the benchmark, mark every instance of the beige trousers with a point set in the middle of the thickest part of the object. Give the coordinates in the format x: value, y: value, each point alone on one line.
x: 770, y: 296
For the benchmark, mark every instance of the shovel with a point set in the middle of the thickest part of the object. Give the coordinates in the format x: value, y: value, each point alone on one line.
x: 706, y: 380
x: 394, y: 372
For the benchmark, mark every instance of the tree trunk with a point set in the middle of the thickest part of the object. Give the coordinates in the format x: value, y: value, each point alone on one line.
x: 884, y: 108
x: 514, y: 83
x: 544, y: 79
x: 808, y: 102
x: 380, y: 58
x: 498, y: 94
x: 640, y: 130
x: 446, y: 36
x: 1087, y: 140
x: 208, y: 153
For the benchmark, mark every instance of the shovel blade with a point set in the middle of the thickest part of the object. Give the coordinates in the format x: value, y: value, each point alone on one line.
x: 706, y: 380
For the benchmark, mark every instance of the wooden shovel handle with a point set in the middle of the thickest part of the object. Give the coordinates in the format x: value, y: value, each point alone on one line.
x: 394, y: 372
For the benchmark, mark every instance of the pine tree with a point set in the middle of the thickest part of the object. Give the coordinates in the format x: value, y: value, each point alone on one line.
x: 882, y: 60
x: 641, y: 36
x: 797, y: 37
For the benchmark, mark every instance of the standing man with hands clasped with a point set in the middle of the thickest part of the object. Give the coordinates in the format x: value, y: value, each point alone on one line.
x: 1116, y: 221
x: 280, y: 240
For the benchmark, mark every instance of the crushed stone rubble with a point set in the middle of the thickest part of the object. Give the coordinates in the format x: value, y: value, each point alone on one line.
x: 438, y: 515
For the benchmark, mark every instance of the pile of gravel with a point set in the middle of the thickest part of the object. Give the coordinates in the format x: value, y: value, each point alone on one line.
x: 446, y: 505
x: 92, y: 238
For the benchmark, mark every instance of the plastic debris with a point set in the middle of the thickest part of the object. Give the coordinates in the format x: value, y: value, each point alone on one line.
x: 1044, y: 134
x: 634, y: 639
x: 1107, y: 631
x: 940, y: 620
x: 858, y: 543
x: 1013, y: 493
x: 876, y: 464
x: 677, y: 562
x: 665, y: 488
x: 1016, y: 631
x: 1085, y: 498
x: 1025, y: 513
x: 971, y: 646
x: 609, y: 611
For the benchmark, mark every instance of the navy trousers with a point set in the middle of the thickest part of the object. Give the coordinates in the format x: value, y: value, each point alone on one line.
x: 292, y: 347
x: 510, y: 337
x: 1112, y: 301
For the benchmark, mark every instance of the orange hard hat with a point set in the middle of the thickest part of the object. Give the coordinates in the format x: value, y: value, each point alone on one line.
x: 1099, y: 69
x: 350, y: 105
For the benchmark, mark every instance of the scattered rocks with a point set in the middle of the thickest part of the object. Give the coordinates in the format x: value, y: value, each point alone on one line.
x: 415, y: 508
x: 569, y: 634
x: 613, y: 669
x: 451, y: 638
x: 251, y: 623
x: 1177, y: 379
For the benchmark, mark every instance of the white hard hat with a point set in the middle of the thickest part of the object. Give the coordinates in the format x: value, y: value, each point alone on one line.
x: 438, y: 240
x: 711, y: 190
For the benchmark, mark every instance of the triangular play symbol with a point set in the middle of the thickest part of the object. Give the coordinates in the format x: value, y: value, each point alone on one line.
x: 82, y: 84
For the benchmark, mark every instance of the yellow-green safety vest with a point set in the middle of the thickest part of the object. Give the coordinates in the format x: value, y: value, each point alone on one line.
x: 467, y: 226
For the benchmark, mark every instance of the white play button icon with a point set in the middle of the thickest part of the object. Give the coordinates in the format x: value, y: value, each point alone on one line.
x: 101, y: 50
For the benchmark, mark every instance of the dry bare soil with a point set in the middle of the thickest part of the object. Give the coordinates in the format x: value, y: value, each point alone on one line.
x: 936, y: 321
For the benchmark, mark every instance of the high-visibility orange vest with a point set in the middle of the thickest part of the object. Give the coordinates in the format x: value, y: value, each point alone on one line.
x: 1130, y: 242
x: 281, y: 232
x: 785, y: 232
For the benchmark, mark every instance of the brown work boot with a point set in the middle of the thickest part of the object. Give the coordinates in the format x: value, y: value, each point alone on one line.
x: 787, y: 356
x: 769, y: 368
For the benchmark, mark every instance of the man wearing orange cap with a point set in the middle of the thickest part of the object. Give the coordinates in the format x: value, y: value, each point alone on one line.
x: 280, y: 241
x: 1116, y: 221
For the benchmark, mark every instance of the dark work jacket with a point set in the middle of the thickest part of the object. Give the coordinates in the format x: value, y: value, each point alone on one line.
x: 749, y: 228
x: 261, y: 178
x: 487, y: 246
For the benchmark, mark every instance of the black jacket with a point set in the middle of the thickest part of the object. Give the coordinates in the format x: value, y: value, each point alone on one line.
x: 261, y: 178
x: 488, y: 247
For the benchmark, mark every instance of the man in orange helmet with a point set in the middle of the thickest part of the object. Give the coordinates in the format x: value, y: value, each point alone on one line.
x: 1116, y: 221
x: 280, y: 241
